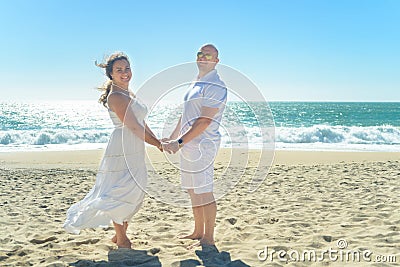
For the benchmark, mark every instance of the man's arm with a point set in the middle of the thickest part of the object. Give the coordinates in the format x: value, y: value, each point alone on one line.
x: 201, y: 123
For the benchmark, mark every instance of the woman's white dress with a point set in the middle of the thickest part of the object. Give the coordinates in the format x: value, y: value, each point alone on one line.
x: 120, y: 182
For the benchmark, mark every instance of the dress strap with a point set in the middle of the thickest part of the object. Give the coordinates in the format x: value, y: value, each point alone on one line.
x: 118, y: 92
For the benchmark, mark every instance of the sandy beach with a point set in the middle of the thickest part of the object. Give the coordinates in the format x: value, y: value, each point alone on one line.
x: 343, y: 203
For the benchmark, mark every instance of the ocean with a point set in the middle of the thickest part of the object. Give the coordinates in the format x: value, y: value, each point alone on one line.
x: 319, y: 126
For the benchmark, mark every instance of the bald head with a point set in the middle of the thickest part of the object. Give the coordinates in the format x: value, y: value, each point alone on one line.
x: 210, y: 48
x: 207, y: 58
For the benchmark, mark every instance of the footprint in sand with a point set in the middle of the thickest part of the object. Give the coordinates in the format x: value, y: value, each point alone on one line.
x: 88, y: 241
x: 42, y: 241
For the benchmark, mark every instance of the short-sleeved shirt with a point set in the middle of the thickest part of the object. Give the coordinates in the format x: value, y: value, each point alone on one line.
x: 211, y: 92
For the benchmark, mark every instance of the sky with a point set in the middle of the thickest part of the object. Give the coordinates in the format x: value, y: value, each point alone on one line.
x: 304, y: 50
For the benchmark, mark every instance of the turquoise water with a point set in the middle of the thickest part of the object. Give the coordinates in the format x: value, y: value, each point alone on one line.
x: 306, y: 114
x: 297, y: 125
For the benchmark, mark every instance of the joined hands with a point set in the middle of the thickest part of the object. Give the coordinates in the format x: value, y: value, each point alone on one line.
x: 170, y: 146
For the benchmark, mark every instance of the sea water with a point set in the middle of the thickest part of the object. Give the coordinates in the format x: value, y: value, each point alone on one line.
x: 345, y: 126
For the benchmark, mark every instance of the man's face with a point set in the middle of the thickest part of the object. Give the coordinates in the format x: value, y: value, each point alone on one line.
x: 207, y: 58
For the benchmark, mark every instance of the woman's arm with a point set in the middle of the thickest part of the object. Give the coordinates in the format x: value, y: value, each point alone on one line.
x: 177, y: 130
x: 150, y: 132
x: 120, y: 105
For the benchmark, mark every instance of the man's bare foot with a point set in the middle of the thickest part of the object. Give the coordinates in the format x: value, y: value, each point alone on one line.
x: 193, y: 236
x: 125, y: 244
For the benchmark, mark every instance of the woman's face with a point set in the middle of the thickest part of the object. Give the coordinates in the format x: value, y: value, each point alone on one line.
x: 121, y: 73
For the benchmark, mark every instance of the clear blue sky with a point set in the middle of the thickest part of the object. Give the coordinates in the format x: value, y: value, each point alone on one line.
x: 316, y: 50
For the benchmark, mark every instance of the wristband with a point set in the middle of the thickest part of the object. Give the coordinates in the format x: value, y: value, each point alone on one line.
x: 180, y: 143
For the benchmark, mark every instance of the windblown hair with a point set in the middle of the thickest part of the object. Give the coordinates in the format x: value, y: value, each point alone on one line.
x: 108, y: 65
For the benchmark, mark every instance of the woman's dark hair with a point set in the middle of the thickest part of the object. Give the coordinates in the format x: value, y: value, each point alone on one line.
x: 108, y: 65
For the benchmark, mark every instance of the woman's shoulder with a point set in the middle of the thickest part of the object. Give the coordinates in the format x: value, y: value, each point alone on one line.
x: 119, y: 96
x: 119, y: 93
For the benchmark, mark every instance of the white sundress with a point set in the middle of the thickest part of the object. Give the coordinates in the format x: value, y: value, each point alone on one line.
x: 120, y: 182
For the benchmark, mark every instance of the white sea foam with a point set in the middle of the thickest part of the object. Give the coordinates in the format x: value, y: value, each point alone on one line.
x: 318, y: 137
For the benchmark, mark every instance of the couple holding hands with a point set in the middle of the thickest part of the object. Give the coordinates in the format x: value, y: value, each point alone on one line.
x: 122, y: 176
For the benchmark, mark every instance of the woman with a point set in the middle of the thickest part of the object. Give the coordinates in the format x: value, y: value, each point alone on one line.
x: 119, y: 188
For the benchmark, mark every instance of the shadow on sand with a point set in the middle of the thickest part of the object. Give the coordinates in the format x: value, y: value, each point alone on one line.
x: 211, y: 257
x: 123, y: 257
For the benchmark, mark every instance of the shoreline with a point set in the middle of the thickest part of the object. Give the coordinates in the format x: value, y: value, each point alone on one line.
x: 91, y: 158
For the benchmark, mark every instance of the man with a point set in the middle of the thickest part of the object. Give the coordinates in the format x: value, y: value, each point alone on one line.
x: 198, y: 138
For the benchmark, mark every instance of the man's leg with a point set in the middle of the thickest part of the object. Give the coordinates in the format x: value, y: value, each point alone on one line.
x: 198, y: 215
x: 209, y: 215
x: 205, y: 203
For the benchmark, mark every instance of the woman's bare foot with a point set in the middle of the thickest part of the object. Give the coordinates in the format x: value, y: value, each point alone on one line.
x: 114, y: 238
x: 193, y: 236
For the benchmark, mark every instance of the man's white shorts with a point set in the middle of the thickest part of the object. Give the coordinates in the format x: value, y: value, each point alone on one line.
x: 197, y: 167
